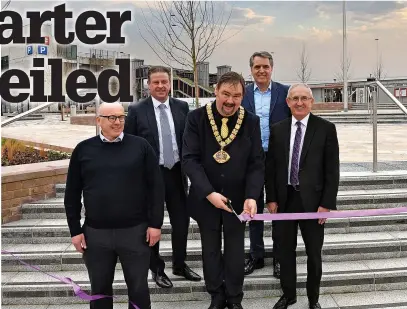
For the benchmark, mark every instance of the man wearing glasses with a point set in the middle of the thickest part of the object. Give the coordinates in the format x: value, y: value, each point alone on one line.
x: 161, y: 121
x: 123, y: 196
x: 302, y: 176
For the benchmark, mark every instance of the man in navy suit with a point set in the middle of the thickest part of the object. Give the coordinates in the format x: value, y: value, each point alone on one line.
x: 160, y: 120
x: 266, y: 99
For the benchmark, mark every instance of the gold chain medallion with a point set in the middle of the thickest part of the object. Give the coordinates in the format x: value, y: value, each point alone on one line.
x: 222, y: 156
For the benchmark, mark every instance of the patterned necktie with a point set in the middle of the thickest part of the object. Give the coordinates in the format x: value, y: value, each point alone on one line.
x: 295, y: 158
x: 224, y: 131
x: 168, y: 152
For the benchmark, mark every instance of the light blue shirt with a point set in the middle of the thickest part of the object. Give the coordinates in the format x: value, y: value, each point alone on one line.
x: 116, y: 140
x: 262, y: 105
x: 172, y: 128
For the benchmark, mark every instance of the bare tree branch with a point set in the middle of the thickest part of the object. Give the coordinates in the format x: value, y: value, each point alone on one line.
x: 186, y: 32
x: 378, y: 72
x: 339, y: 76
x: 304, y: 71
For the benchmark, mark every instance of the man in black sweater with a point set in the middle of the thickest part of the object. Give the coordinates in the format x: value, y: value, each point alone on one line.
x: 123, y: 196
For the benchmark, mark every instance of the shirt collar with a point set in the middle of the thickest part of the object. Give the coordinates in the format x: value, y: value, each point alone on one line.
x: 257, y: 87
x: 158, y: 103
x: 117, y: 139
x: 304, y: 121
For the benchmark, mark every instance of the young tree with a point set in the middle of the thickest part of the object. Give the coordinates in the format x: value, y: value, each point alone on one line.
x: 378, y: 72
x: 339, y: 76
x: 304, y: 71
x: 185, y: 32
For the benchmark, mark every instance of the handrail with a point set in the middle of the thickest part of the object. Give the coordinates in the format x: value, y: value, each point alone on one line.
x: 26, y: 113
x: 375, y: 95
x: 392, y: 97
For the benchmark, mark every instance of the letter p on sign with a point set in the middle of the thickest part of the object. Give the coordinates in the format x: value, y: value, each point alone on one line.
x: 42, y: 50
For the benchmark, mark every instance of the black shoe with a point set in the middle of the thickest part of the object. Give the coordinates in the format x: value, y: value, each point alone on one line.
x: 276, y: 270
x: 315, y: 306
x: 187, y: 273
x: 162, y: 280
x: 217, y: 306
x: 252, y: 264
x: 284, y: 302
x: 234, y: 306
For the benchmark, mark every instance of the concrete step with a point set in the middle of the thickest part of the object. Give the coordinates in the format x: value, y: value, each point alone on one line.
x: 338, y: 277
x: 348, y: 181
x: 346, y: 200
x: 55, y: 256
x: 396, y: 299
x: 43, y: 231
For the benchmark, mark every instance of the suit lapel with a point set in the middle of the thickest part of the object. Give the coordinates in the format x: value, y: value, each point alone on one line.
x: 176, y: 116
x: 250, y: 95
x: 152, y: 122
x: 287, y: 138
x: 273, y: 98
x: 309, y: 134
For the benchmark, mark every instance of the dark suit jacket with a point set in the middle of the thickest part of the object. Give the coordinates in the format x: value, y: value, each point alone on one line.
x: 141, y: 122
x: 240, y: 178
x: 279, y: 109
x: 318, y: 168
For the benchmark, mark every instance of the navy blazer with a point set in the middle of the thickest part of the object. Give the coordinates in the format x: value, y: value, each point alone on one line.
x: 141, y: 121
x: 279, y: 109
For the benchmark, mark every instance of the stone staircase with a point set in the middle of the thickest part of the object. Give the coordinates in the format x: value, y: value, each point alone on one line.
x: 380, y: 105
x: 364, y: 259
x: 359, y: 118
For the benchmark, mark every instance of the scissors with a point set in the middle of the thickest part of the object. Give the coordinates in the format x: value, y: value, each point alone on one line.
x: 229, y: 205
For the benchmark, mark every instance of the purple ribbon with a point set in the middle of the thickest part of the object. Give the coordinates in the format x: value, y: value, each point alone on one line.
x: 322, y: 215
x: 76, y: 288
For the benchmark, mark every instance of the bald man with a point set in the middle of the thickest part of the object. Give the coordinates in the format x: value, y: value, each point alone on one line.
x: 123, y: 194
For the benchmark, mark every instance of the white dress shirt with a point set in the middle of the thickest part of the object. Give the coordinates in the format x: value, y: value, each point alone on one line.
x: 304, y: 123
x: 171, y: 121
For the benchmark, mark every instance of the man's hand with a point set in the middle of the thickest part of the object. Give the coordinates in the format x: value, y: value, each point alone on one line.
x: 250, y: 207
x: 79, y: 242
x: 272, y: 207
x: 322, y: 209
x: 219, y: 201
x: 153, y: 236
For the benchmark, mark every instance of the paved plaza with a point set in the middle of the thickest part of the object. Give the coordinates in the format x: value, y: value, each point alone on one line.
x: 355, y: 140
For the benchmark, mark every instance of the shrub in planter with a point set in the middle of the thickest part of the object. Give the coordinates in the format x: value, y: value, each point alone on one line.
x: 15, y: 153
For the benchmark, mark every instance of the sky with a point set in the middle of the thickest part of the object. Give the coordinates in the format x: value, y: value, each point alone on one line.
x: 280, y: 27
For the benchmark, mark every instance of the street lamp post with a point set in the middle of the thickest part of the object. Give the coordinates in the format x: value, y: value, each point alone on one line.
x: 345, y: 62
x: 377, y: 60
x: 172, y: 70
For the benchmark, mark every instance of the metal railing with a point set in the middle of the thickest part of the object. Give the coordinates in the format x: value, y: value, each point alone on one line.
x: 377, y: 84
x: 26, y: 113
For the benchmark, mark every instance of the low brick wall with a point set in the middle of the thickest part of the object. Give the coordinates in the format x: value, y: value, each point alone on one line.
x: 28, y: 183
x: 84, y: 119
x: 337, y: 106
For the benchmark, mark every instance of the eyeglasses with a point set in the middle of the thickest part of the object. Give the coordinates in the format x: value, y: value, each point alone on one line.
x: 303, y: 99
x: 113, y: 118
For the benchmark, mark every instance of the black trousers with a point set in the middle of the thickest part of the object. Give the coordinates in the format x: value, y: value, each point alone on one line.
x: 175, y: 200
x: 104, y: 246
x: 256, y: 233
x: 223, y: 274
x: 313, y: 236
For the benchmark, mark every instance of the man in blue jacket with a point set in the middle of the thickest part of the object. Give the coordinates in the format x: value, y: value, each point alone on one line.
x: 266, y: 99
